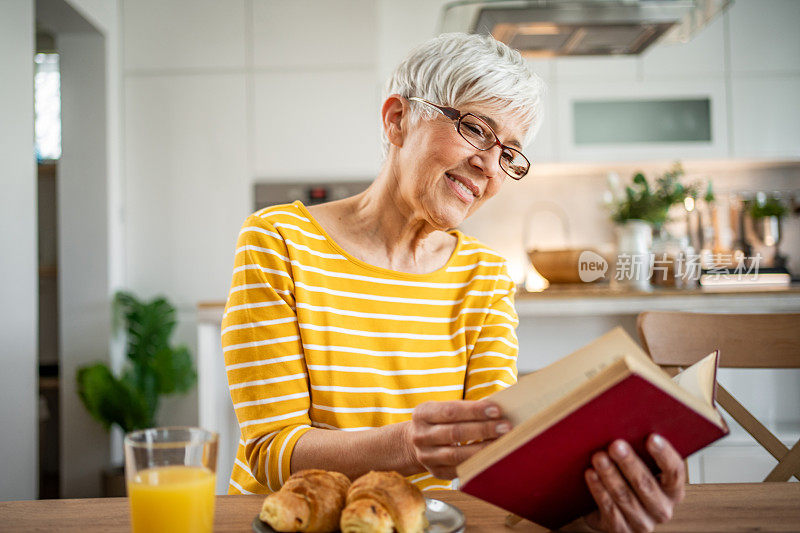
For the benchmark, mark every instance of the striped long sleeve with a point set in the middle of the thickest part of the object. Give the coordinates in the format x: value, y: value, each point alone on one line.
x: 267, y: 373
x: 315, y: 337
x: 493, y: 362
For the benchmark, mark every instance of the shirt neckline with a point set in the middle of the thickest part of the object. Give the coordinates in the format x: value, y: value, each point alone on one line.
x: 386, y: 271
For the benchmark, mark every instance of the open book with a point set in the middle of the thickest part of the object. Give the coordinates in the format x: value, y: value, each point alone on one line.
x: 562, y: 414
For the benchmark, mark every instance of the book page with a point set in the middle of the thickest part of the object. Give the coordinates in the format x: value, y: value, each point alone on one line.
x: 700, y: 378
x: 542, y: 388
x: 660, y: 379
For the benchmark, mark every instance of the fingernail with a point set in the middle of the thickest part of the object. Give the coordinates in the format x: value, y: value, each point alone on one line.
x: 620, y: 448
x: 592, y: 475
x: 602, y: 461
x: 503, y: 428
x: 658, y: 442
x: 492, y: 411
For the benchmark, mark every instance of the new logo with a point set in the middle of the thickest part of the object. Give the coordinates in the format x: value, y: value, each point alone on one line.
x: 591, y: 266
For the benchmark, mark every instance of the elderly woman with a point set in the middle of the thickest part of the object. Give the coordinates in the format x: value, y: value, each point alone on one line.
x: 365, y: 334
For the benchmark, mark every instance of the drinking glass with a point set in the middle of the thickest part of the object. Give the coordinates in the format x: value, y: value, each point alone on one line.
x: 170, y: 473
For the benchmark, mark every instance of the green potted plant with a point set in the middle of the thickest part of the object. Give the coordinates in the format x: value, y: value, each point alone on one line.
x: 766, y: 212
x: 153, y: 368
x: 640, y: 201
x: 766, y: 206
x: 641, y: 209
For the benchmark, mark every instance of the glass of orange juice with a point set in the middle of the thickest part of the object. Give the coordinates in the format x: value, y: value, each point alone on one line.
x: 170, y: 473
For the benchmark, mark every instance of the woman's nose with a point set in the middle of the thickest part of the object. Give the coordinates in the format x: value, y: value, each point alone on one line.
x: 488, y: 161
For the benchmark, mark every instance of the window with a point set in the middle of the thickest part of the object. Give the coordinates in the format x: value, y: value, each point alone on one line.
x: 47, y: 107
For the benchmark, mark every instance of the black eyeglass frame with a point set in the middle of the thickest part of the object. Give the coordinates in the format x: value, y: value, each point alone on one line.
x: 457, y: 116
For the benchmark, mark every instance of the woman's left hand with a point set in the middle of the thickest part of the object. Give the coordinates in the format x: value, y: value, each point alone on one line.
x: 629, y: 498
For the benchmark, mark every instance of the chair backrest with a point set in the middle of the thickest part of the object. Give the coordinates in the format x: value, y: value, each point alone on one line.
x: 744, y: 341
x: 678, y: 339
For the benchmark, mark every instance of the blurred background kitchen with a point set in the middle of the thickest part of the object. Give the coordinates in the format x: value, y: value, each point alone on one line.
x: 160, y: 125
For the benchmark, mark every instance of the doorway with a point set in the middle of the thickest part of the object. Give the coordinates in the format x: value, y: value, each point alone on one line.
x: 74, y: 315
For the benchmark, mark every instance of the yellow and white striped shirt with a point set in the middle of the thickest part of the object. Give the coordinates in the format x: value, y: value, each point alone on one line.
x: 314, y: 337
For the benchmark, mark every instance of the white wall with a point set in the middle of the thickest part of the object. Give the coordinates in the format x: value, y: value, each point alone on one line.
x: 105, y: 16
x: 18, y: 255
x: 84, y: 303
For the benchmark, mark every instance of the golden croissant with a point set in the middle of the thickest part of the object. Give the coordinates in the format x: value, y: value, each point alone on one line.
x: 381, y: 502
x: 310, y: 501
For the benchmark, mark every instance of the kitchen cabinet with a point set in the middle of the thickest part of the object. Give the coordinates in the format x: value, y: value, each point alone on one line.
x: 183, y: 34
x: 746, y: 62
x: 701, y: 58
x: 571, y: 95
x: 764, y: 80
x: 295, y: 34
x: 666, y: 71
x: 593, y: 69
x: 185, y: 137
x: 543, y: 147
x: 763, y: 37
x: 766, y: 117
x: 297, y: 134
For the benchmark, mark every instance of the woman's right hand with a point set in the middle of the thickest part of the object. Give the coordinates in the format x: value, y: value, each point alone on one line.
x: 443, y: 434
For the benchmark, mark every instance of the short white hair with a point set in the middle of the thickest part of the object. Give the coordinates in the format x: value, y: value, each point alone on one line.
x: 455, y: 69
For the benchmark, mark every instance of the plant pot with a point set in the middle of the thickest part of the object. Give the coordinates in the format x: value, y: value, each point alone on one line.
x: 113, y: 482
x: 634, y: 261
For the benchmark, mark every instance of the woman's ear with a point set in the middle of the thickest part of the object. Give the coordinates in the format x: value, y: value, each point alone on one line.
x: 394, y: 110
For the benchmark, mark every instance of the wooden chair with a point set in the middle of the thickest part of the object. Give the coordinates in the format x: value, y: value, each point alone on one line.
x: 677, y: 339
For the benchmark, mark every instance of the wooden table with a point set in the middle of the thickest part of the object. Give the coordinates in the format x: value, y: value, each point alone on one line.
x: 719, y: 507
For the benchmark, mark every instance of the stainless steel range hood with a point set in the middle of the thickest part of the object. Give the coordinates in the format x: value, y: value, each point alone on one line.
x: 546, y: 28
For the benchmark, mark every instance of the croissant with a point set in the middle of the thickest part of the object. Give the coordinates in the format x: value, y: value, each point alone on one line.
x: 380, y: 502
x: 310, y: 501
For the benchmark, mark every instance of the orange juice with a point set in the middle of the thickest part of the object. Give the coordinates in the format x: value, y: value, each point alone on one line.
x: 172, y: 498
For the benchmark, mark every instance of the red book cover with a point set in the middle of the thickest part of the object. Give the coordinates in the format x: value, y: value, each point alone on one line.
x: 543, y: 480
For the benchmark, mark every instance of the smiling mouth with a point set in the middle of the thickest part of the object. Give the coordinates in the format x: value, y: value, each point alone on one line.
x: 461, y: 185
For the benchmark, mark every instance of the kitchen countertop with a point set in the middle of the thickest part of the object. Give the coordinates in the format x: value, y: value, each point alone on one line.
x: 602, y: 299
x: 604, y: 290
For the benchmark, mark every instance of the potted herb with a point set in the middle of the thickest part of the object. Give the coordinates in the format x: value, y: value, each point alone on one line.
x: 639, y: 210
x: 650, y: 204
x: 153, y: 368
x: 766, y: 206
x: 766, y: 211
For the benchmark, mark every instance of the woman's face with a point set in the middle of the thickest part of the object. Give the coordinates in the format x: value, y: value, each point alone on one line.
x: 444, y: 178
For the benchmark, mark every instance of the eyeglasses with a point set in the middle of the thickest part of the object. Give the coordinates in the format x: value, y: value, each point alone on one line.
x: 479, y: 134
